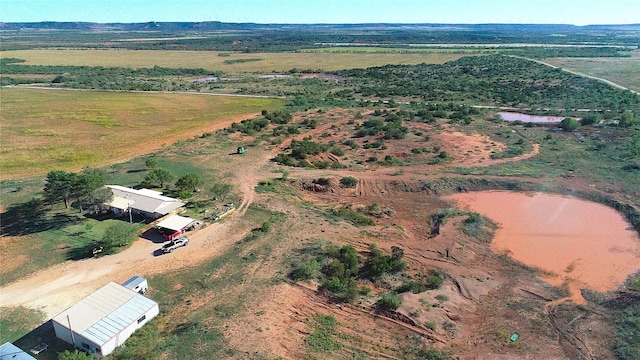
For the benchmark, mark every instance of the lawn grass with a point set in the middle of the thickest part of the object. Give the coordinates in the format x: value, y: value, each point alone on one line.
x: 620, y: 70
x: 211, y: 61
x: 56, y: 236
x: 61, y: 234
x: 44, y: 130
x: 16, y: 322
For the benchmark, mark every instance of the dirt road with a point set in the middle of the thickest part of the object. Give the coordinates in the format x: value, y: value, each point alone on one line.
x: 58, y: 287
x: 608, y: 82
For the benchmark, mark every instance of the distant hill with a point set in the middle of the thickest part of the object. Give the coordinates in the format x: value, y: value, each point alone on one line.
x: 217, y: 25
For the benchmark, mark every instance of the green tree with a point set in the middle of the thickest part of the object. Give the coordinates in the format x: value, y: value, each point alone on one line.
x: 220, y: 190
x: 88, y: 181
x: 59, y: 186
x: 94, y: 202
x: 348, y: 255
x: 158, y: 177
x: 628, y: 119
x: 117, y: 235
x: 151, y: 163
x: 74, y: 355
x: 189, y: 182
x: 569, y: 124
x: 590, y: 119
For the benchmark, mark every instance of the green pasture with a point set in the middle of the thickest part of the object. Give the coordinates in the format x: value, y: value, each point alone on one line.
x: 624, y: 71
x: 44, y: 130
x: 234, y: 62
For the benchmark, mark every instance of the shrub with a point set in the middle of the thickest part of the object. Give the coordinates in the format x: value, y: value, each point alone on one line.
x: 322, y: 339
x: 389, y: 302
x: 301, y: 149
x: 434, y: 280
x: 353, y: 217
x: 569, y: 124
x: 378, y: 263
x: 74, y: 355
x: 415, y: 287
x: 348, y: 182
x: 345, y: 289
x: 322, y: 181
x: 350, y: 143
x: 307, y: 270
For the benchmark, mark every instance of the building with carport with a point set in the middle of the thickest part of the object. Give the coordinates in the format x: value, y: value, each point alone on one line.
x: 175, y: 225
x: 149, y: 203
x: 105, y: 319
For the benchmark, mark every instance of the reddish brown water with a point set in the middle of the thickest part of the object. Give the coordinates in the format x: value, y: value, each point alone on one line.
x: 583, y: 244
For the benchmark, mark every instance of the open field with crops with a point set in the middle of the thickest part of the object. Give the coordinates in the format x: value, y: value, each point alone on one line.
x: 43, y: 130
x: 212, y: 61
x: 622, y: 70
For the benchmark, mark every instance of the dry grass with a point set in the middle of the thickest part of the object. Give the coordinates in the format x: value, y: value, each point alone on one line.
x: 211, y: 61
x: 623, y: 71
x: 43, y: 130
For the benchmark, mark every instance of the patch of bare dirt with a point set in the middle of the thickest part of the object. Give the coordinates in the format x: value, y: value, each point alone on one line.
x: 484, y: 298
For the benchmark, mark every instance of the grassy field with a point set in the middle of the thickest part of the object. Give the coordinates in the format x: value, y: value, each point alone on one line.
x: 623, y: 71
x: 211, y: 61
x: 43, y: 130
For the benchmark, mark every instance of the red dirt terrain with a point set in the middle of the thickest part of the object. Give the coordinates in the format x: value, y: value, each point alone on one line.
x: 485, y: 297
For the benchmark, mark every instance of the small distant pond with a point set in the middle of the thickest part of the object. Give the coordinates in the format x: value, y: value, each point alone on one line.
x: 512, y: 116
x: 577, y: 243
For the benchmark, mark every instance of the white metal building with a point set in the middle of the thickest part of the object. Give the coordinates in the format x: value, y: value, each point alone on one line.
x: 105, y: 319
x: 8, y: 351
x: 149, y: 203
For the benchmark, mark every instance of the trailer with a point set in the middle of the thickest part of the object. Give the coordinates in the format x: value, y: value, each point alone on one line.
x: 137, y: 284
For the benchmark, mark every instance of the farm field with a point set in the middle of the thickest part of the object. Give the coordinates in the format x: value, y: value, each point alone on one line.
x: 44, y: 130
x: 211, y: 60
x: 623, y: 70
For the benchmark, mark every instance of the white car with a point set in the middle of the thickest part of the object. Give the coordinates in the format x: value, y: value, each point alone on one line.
x: 174, y: 244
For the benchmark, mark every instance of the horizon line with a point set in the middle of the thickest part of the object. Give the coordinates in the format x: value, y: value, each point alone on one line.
x: 318, y: 23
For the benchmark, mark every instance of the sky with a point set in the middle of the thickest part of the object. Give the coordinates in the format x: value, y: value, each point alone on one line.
x: 576, y: 12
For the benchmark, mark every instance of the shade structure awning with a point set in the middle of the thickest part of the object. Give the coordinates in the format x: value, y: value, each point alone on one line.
x: 176, y: 222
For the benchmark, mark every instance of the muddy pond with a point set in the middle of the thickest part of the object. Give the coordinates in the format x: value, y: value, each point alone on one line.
x: 511, y: 116
x: 576, y: 243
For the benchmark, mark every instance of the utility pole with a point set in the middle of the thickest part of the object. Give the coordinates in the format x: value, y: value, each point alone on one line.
x: 130, y: 217
x: 71, y: 331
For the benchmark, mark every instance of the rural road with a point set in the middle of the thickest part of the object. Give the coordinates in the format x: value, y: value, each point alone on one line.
x: 608, y: 82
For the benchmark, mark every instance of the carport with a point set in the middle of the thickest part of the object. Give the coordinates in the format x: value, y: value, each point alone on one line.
x: 174, y: 226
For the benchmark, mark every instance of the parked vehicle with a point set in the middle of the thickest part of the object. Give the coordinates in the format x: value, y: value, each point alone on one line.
x: 174, y: 244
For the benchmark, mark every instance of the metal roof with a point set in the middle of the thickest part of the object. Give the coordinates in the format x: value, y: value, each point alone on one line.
x: 176, y: 222
x: 133, y: 282
x: 105, y: 313
x: 150, y: 201
x: 8, y: 351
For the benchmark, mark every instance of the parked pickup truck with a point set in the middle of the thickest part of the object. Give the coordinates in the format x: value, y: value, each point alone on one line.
x: 174, y: 244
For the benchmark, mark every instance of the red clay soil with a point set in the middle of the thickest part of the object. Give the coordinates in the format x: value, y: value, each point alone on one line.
x: 484, y: 299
